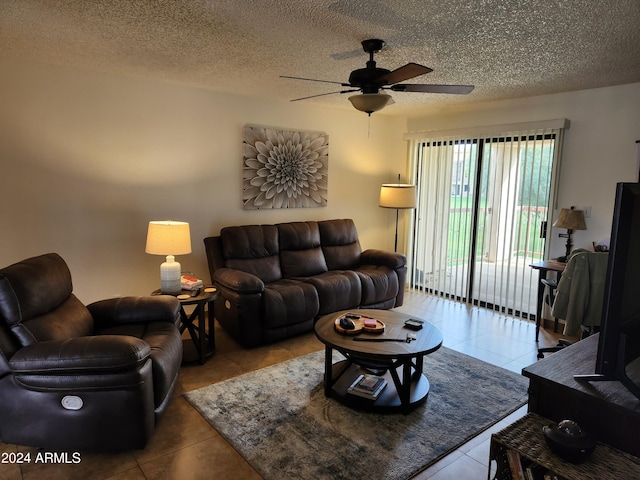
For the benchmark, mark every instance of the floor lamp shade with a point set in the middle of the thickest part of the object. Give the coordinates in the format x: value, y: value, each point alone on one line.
x: 169, y: 238
x: 398, y: 196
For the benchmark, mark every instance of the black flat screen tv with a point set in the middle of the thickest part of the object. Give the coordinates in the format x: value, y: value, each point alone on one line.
x: 618, y: 355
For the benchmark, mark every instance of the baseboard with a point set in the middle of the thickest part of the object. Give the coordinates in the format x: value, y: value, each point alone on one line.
x: 548, y: 323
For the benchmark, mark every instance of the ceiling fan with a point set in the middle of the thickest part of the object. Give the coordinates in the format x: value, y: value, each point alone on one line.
x: 371, y: 80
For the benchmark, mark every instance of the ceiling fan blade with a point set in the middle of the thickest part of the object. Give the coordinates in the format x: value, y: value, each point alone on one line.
x: 455, y: 89
x: 315, y: 80
x: 410, y: 70
x: 322, y: 95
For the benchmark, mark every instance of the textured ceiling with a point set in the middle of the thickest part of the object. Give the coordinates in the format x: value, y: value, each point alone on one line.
x: 506, y: 48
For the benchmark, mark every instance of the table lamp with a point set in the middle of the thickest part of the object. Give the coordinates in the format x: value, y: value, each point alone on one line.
x: 570, y: 219
x: 169, y: 238
x: 398, y: 196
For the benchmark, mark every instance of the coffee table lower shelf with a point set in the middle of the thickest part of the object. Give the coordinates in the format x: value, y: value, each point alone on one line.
x: 344, y: 374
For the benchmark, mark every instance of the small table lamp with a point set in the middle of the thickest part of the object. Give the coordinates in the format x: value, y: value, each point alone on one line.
x: 169, y: 238
x: 570, y: 219
x: 397, y: 195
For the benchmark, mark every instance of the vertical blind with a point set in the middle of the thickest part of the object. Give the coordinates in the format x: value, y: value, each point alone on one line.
x: 483, y: 201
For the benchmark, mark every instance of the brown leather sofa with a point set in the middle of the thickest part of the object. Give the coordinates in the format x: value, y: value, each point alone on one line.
x: 274, y: 281
x: 91, y: 378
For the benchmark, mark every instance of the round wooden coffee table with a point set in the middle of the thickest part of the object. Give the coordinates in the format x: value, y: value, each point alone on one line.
x: 387, y: 354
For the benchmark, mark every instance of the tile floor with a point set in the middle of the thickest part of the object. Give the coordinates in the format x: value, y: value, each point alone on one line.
x: 185, y: 447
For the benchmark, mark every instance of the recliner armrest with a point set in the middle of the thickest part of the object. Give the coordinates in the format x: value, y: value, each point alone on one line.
x: 382, y: 257
x: 237, y: 280
x: 81, y: 355
x: 124, y: 310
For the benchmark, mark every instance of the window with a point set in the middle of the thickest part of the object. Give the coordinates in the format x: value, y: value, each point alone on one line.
x: 483, y: 201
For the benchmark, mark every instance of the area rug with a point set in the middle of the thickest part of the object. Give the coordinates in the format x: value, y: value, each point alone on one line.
x: 279, y: 420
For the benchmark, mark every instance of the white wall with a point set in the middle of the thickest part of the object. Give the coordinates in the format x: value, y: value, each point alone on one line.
x: 599, y: 147
x: 89, y: 158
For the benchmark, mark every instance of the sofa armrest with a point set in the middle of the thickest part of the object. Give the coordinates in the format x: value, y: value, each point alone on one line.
x: 124, y: 310
x: 238, y: 281
x: 81, y: 355
x: 392, y: 260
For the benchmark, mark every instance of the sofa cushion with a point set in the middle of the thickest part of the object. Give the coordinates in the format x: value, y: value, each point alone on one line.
x: 337, y: 290
x: 252, y: 249
x: 288, y: 302
x: 340, y: 244
x: 300, y: 252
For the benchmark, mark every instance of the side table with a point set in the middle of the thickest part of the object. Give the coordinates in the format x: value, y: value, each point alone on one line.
x: 202, y: 334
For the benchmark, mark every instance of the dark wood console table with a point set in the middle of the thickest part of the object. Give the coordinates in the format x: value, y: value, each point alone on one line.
x: 606, y: 409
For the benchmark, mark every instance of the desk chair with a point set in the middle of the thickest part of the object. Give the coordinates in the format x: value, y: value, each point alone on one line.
x: 579, y: 296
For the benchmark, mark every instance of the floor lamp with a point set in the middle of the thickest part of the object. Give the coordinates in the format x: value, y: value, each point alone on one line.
x: 398, y: 196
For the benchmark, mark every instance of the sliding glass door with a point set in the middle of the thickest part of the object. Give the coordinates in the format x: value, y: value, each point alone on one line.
x: 481, y: 215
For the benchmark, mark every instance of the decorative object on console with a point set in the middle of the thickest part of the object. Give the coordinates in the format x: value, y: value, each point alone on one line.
x: 284, y: 168
x: 398, y: 196
x: 571, y: 219
x: 169, y: 238
x: 568, y: 440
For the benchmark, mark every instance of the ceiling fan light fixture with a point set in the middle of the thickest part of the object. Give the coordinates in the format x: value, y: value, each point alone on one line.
x: 370, y: 102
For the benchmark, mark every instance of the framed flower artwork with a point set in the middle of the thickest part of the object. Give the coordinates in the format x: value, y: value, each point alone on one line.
x: 284, y: 168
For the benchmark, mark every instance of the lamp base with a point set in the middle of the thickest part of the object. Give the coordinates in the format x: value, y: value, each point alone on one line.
x: 568, y: 245
x: 170, y: 276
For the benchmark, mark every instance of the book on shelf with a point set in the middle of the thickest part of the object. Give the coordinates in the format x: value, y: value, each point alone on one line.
x: 515, y: 465
x: 367, y: 386
x: 537, y: 472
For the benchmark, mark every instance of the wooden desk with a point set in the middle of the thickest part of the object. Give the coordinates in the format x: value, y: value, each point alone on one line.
x: 543, y: 268
x: 606, y: 409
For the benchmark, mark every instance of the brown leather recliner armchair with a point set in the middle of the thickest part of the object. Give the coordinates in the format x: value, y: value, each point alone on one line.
x: 76, y: 377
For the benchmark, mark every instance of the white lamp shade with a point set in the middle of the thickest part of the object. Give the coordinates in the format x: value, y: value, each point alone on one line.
x: 398, y: 195
x: 168, y: 238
